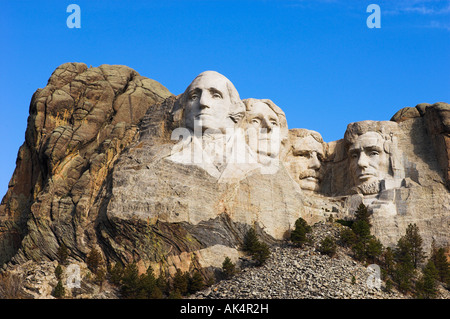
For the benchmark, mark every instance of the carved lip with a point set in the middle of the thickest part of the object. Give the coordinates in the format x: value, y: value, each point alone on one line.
x: 366, y: 176
x: 311, y: 178
x: 202, y: 114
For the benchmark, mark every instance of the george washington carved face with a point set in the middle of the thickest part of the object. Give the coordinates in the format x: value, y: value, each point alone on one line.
x: 212, y: 103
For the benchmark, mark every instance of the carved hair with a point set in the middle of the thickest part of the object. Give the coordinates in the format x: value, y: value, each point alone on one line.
x: 386, y: 130
x: 303, y: 132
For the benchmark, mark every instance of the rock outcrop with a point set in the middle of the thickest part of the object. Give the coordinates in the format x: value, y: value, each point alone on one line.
x: 110, y: 161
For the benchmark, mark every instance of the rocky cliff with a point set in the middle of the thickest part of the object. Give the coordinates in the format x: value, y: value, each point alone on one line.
x: 104, y: 164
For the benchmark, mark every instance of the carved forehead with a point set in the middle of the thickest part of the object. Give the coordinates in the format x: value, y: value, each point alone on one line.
x: 368, y: 140
x: 307, y: 144
x: 210, y: 79
x: 258, y: 108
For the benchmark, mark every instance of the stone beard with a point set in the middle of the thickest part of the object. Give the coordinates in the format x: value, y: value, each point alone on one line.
x: 369, y: 162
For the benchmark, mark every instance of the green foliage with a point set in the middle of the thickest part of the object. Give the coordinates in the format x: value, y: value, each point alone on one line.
x: 348, y: 237
x: 365, y: 246
x: 63, y: 254
x: 299, y: 234
x: 130, y: 282
x: 58, y: 272
x: 261, y: 254
x: 196, y: 283
x: 228, y: 268
x: 403, y: 275
x: 59, y: 290
x: 409, y: 246
x: 374, y: 249
x: 116, y: 273
x: 442, y: 265
x: 361, y: 226
x: 328, y: 246
x: 259, y: 251
x: 181, y: 282
x: 343, y: 222
x: 426, y: 287
x: 251, y: 241
x: 94, y: 260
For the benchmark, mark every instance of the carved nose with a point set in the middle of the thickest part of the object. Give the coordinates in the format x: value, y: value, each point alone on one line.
x: 204, y: 101
x: 314, y: 162
x: 362, y: 160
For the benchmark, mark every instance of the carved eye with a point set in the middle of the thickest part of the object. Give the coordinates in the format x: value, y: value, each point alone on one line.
x: 216, y: 95
x: 274, y: 123
x: 193, y: 97
x: 255, y: 121
x: 354, y: 156
x: 374, y: 153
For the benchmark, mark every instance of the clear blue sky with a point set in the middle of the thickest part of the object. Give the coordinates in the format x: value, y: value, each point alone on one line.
x: 317, y: 60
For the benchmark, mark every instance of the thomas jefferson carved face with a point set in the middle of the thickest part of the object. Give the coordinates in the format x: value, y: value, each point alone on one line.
x: 208, y: 103
x: 306, y: 162
x: 264, y: 129
x: 368, y: 161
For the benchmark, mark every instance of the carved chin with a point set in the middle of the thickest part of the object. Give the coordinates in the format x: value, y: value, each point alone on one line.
x: 369, y: 187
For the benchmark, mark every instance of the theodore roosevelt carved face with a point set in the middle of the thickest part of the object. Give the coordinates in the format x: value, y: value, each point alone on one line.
x: 305, y: 158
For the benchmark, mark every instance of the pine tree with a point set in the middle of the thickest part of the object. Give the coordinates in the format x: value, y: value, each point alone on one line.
x: 442, y: 265
x: 58, y: 272
x: 261, y: 254
x: 251, y: 241
x: 409, y: 246
x: 116, y: 273
x: 413, y: 236
x: 374, y: 249
x: 130, y: 281
x: 258, y: 250
x: 426, y: 287
x: 328, y: 246
x: 388, y: 261
x: 94, y: 260
x: 180, y: 282
x: 196, y: 282
x: 348, y: 237
x: 228, y: 268
x: 63, y: 254
x: 361, y: 226
x: 59, y: 290
x: 299, y: 234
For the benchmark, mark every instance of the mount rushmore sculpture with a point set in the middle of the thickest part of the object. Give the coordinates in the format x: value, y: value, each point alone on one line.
x: 176, y: 181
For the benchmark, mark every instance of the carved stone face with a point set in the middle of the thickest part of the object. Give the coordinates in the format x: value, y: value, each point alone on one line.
x: 368, y: 160
x: 306, y: 162
x: 208, y: 103
x: 263, y: 129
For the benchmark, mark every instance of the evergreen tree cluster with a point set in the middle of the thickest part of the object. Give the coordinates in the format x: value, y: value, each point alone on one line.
x: 402, y: 264
x: 358, y: 237
x: 259, y: 251
x: 148, y: 286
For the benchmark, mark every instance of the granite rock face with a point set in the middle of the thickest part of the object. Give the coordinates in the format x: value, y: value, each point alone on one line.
x: 110, y: 160
x: 77, y: 127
